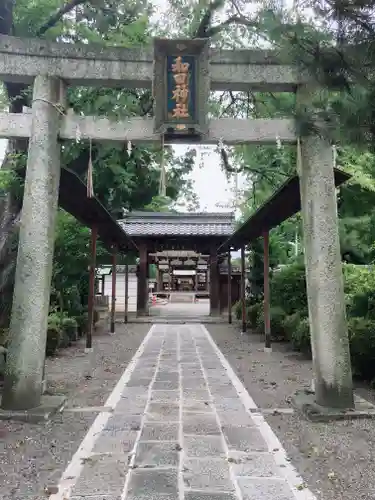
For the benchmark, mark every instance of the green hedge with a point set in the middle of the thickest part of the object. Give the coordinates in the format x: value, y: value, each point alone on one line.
x: 61, y: 331
x: 289, y: 313
x: 288, y: 292
x: 54, y: 334
x: 277, y: 315
x: 362, y: 347
x: 288, y: 289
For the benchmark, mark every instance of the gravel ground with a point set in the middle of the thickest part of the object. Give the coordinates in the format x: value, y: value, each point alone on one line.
x: 33, y: 457
x: 336, y: 460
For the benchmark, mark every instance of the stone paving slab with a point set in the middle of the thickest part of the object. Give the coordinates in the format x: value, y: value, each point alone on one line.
x: 180, y: 430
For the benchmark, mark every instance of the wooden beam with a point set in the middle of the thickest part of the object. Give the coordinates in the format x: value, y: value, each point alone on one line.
x: 91, y: 65
x: 141, y: 130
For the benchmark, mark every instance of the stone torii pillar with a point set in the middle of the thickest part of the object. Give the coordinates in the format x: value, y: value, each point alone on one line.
x: 325, y: 287
x: 28, y: 328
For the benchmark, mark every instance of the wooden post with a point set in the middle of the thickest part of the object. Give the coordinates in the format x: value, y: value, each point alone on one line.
x: 126, y: 293
x: 214, y: 283
x: 243, y: 300
x: 142, y: 292
x: 266, y: 296
x: 113, y: 303
x: 103, y: 281
x: 90, y: 326
x: 229, y: 288
x: 170, y: 273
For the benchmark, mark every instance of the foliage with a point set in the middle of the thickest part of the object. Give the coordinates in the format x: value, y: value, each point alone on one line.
x: 123, y: 178
x: 290, y: 325
x: 70, y: 328
x: 359, y: 288
x: 362, y: 347
x: 82, y: 322
x: 300, y: 338
x: 54, y: 334
x: 277, y: 315
x: 288, y: 289
x: 237, y: 308
x: 4, y: 336
x: 253, y: 313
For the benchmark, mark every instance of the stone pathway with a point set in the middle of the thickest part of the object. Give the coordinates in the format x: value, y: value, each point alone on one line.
x: 180, y: 429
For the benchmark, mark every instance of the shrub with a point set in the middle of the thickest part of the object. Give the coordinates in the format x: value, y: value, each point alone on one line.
x: 56, y: 320
x: 359, y: 287
x: 3, y: 358
x: 252, y: 314
x: 82, y: 322
x: 362, y: 347
x: 237, y: 308
x: 290, y: 324
x: 300, y: 338
x: 96, y: 316
x: 4, y: 336
x: 70, y: 327
x: 54, y: 336
x: 288, y: 289
x: 277, y: 316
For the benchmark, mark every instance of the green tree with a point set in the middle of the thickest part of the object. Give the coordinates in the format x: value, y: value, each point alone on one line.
x: 123, y: 178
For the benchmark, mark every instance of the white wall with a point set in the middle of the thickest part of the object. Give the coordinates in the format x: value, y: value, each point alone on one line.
x: 120, y: 291
x: 3, y: 147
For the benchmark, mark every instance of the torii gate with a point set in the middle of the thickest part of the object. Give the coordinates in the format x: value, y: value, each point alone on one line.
x: 51, y: 67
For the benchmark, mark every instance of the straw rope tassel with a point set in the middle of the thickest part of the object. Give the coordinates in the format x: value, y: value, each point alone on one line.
x: 90, y: 185
x: 162, y: 185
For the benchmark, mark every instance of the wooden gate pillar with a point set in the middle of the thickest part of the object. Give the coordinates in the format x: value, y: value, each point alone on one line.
x: 243, y: 290
x: 142, y: 292
x: 266, y: 295
x: 229, y: 288
x: 214, y: 283
x: 113, y: 301
x: 126, y: 293
x: 94, y: 234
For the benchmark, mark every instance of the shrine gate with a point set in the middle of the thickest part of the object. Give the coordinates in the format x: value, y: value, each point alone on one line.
x: 182, y: 72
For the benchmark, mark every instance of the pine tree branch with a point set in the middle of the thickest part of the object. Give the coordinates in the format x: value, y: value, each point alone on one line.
x: 204, y: 25
x: 55, y: 18
x: 240, y: 20
x: 6, y: 17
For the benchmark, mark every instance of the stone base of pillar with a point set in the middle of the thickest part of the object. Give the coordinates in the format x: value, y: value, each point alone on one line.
x: 50, y: 405
x: 304, y: 402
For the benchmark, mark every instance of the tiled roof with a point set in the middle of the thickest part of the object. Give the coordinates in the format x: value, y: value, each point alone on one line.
x: 178, y: 224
